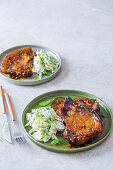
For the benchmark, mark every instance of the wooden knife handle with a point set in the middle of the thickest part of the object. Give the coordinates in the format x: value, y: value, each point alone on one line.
x: 2, y: 100
x: 9, y: 106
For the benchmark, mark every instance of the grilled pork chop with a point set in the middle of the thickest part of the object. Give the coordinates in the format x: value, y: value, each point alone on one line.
x: 18, y: 63
x: 82, y: 119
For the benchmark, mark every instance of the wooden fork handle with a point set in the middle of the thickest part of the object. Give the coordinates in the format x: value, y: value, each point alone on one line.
x: 2, y: 100
x: 9, y: 106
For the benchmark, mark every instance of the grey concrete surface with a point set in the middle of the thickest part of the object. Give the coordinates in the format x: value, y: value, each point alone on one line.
x: 82, y: 32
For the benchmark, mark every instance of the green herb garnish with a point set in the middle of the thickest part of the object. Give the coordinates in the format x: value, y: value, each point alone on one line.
x: 35, y: 77
x: 45, y: 103
x: 56, y: 141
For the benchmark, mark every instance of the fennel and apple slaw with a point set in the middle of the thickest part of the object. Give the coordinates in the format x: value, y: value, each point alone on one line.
x: 43, y: 64
x: 44, y: 123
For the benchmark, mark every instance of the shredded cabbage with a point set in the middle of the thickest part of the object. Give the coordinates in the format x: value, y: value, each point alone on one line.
x: 45, y: 123
x: 43, y: 64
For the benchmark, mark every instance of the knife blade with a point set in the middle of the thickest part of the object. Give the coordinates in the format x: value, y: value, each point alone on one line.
x: 5, y: 128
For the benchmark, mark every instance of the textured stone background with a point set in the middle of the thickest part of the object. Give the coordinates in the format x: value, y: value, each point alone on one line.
x: 82, y: 32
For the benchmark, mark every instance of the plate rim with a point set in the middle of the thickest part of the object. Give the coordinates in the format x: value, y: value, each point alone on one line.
x: 36, y: 82
x: 62, y: 149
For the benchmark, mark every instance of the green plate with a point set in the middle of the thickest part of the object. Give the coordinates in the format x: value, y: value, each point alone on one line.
x: 31, y: 80
x: 47, y: 98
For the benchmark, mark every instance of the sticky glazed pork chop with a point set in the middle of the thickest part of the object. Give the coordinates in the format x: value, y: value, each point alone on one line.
x: 18, y: 63
x: 81, y: 116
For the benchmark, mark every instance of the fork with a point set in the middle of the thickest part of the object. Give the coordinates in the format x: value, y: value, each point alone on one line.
x: 17, y: 136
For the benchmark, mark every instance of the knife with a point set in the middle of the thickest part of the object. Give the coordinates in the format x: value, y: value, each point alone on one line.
x: 5, y: 128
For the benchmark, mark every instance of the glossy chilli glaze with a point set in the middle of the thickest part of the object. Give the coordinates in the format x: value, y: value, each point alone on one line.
x: 18, y: 63
x: 81, y: 116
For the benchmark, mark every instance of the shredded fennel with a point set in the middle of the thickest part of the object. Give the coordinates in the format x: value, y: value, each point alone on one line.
x: 43, y: 64
x: 45, y: 123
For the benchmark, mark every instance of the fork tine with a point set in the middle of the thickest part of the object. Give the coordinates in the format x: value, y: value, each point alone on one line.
x: 16, y: 139
x: 21, y: 139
